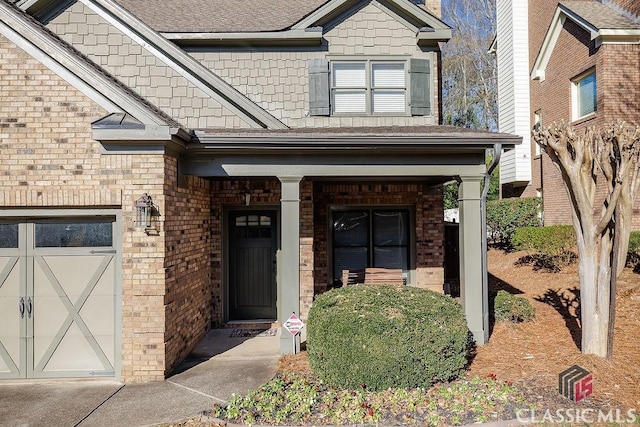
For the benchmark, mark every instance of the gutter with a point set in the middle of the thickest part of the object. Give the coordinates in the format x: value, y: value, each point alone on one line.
x: 497, y: 153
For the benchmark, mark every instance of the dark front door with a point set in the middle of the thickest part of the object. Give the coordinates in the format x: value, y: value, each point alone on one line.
x: 252, y: 264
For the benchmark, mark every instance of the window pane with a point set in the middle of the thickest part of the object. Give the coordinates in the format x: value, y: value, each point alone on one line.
x: 387, y: 75
x: 390, y: 257
x: 265, y: 220
x: 587, y: 94
x: 388, y: 101
x: 349, y: 259
x: 241, y: 221
x: 8, y: 235
x: 351, y: 228
x: 349, y: 75
x: 390, y: 228
x: 73, y: 234
x: 349, y: 101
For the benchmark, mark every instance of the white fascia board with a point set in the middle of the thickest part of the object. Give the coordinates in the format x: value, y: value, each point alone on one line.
x: 313, y: 34
x: 548, y: 44
x: 181, y: 62
x: 74, y: 71
x: 601, y: 36
x: 619, y: 36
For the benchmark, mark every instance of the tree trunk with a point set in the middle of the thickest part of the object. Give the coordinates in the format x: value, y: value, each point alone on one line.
x: 594, y: 300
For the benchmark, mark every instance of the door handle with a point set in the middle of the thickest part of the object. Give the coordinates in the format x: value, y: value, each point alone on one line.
x: 21, y: 307
x: 29, y: 307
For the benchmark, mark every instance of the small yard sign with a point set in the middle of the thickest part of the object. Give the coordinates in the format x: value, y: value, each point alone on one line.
x: 293, y: 324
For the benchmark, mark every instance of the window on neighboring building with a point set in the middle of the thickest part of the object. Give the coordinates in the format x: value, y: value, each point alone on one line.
x: 385, y: 86
x: 372, y: 237
x: 584, y: 95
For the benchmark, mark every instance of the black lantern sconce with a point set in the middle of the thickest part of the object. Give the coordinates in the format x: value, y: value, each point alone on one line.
x: 146, y: 214
x: 245, y: 196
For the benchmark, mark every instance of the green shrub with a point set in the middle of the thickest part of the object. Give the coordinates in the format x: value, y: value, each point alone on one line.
x: 386, y: 336
x: 507, y: 215
x: 633, y: 254
x: 512, y: 308
x: 551, y: 245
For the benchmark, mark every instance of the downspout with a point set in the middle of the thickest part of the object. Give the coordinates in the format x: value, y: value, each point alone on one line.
x: 497, y: 152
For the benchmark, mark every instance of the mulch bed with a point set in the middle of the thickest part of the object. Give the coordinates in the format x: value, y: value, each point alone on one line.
x: 531, y: 355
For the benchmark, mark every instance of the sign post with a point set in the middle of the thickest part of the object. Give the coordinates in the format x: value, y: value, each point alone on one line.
x: 294, y: 325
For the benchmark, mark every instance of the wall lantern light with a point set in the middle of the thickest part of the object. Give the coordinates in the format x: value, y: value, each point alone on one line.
x: 146, y: 213
x: 246, y: 196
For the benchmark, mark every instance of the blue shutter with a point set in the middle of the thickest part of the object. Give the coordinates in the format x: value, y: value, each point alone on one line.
x: 319, y: 104
x: 420, y: 76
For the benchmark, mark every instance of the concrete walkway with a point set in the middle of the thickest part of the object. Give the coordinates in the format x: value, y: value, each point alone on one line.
x: 219, y: 367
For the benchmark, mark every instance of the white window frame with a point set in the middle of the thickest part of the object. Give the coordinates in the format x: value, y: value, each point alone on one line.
x: 575, y: 94
x: 369, y: 89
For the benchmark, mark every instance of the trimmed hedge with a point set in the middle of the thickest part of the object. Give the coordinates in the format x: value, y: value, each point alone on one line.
x: 552, y: 245
x: 505, y: 216
x: 512, y: 308
x: 381, y: 337
x: 633, y: 254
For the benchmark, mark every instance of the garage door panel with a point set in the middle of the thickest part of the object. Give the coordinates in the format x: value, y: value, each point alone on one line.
x: 73, y: 353
x: 65, y: 272
x: 11, y: 296
x: 97, y: 314
x: 73, y: 273
x: 69, y: 339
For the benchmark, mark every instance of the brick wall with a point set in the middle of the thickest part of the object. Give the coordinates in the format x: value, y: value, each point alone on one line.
x: 618, y: 83
x: 187, y: 301
x: 315, y: 201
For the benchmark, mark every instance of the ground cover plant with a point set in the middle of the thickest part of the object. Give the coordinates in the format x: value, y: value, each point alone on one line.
x: 302, y: 399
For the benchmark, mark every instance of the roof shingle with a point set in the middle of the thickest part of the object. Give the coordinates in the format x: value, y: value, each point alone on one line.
x: 600, y: 16
x: 220, y: 16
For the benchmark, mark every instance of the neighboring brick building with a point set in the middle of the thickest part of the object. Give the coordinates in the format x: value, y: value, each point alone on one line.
x: 279, y: 146
x: 578, y: 61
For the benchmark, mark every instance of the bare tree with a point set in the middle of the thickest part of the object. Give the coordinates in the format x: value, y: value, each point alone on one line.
x: 602, y: 227
x: 469, y: 71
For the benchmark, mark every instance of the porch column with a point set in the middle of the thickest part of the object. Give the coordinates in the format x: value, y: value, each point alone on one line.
x: 472, y: 295
x: 289, y: 259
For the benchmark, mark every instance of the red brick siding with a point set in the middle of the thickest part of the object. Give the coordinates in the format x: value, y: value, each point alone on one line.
x: 187, y: 299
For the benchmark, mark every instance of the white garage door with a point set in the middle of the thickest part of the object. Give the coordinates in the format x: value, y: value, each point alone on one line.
x: 58, y: 297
